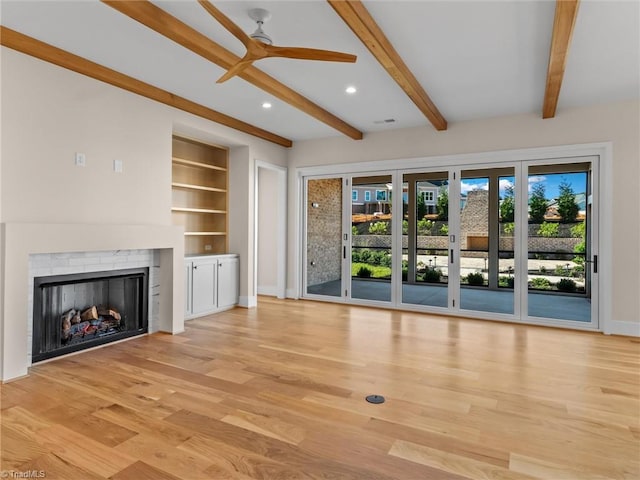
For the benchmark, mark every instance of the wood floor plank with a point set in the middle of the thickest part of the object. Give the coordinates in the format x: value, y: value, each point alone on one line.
x: 83, y: 452
x: 142, y: 471
x: 278, y: 392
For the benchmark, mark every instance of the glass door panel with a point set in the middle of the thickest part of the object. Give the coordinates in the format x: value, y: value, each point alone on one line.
x: 425, y: 239
x: 559, y: 242
x: 371, y: 234
x: 487, y: 215
x: 323, y: 272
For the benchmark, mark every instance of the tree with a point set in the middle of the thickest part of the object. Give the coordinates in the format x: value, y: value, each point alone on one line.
x: 421, y: 208
x: 567, y: 206
x: 443, y: 203
x: 507, y: 207
x: 537, y: 203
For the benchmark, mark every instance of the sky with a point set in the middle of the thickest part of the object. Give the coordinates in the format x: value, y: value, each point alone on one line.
x: 551, y: 182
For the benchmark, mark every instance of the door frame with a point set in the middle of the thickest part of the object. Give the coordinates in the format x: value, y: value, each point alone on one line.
x: 603, y: 150
x: 281, y: 226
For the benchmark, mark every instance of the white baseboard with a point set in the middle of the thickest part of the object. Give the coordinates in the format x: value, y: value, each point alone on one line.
x: 268, y: 290
x: 618, y: 327
x: 248, y: 302
x: 291, y: 293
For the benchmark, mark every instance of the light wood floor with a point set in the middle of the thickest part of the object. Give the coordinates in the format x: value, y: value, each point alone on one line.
x: 278, y: 393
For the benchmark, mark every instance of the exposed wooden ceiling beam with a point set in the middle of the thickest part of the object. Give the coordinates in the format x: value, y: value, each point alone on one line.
x: 157, y: 19
x: 358, y: 18
x: 30, y: 46
x: 563, y: 23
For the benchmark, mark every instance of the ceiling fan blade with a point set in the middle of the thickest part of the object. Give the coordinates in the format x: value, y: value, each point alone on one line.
x: 235, y: 70
x: 226, y: 22
x: 308, y: 54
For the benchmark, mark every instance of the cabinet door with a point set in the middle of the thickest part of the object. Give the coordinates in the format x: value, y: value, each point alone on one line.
x: 187, y: 288
x: 203, y: 285
x: 227, y: 281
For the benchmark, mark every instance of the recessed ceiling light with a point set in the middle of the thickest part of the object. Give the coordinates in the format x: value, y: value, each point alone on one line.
x: 266, y: 105
x: 351, y: 90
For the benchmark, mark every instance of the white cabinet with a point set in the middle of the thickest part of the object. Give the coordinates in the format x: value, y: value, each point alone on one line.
x: 227, y: 281
x: 211, y: 284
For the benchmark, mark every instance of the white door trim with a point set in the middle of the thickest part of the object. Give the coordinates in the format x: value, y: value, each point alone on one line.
x: 281, y: 227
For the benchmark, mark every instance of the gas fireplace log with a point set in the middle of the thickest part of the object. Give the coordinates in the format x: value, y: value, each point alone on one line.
x: 66, y: 323
x: 90, y: 313
x: 109, y: 312
x: 76, y: 318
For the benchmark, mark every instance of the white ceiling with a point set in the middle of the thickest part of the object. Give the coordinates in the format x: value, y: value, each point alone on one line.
x: 476, y: 59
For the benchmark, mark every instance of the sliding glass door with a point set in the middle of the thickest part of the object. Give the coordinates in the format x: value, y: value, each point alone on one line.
x: 425, y: 239
x: 487, y: 226
x: 561, y: 243
x: 513, y: 241
x: 324, y: 237
x: 371, y: 237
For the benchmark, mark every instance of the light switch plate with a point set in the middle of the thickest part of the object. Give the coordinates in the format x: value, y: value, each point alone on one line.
x: 81, y: 160
x: 117, y: 166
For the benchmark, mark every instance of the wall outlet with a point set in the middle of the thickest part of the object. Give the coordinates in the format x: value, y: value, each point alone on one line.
x: 117, y: 166
x: 81, y: 160
x: 207, y: 248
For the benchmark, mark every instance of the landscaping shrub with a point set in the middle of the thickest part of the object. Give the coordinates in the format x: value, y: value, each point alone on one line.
x: 405, y: 274
x: 424, y: 227
x: 561, y: 270
x: 509, y: 228
x: 566, y: 285
x: 364, y: 272
x: 475, y: 279
x: 356, y: 256
x: 548, y: 230
x: 379, y: 228
x: 354, y: 231
x: 506, y: 282
x: 540, y: 284
x: 365, y: 256
x: 444, y: 230
x: 432, y: 275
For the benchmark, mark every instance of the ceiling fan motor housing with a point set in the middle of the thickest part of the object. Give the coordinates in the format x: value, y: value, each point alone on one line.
x: 260, y: 15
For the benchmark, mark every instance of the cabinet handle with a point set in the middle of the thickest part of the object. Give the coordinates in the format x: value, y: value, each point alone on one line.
x: 195, y: 267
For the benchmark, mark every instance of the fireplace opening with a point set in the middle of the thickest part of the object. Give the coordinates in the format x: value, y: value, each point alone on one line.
x: 78, y: 311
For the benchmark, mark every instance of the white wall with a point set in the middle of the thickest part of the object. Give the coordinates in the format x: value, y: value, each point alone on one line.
x: 617, y: 123
x: 51, y: 113
x: 267, y: 231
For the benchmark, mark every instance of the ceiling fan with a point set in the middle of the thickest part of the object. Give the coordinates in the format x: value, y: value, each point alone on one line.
x: 259, y: 44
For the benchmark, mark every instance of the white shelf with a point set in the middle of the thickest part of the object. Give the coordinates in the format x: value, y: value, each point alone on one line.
x: 196, y: 210
x: 198, y: 187
x: 191, y: 163
x: 204, y: 234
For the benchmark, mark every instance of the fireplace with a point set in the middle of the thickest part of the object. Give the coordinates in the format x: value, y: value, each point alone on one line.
x: 78, y: 311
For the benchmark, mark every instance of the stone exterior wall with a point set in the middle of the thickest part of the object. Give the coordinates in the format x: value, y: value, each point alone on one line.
x: 324, y: 231
x: 536, y: 244
x: 474, y: 219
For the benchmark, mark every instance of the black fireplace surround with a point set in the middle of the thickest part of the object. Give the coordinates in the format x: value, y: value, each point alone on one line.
x: 83, y: 310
